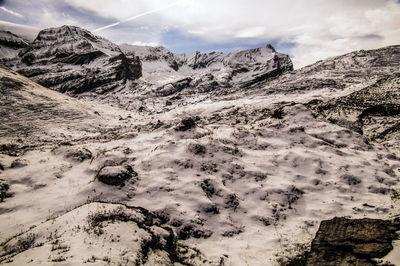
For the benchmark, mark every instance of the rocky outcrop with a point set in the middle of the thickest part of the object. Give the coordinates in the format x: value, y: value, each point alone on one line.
x: 115, y: 175
x: 373, y: 111
x: 342, y: 241
x: 3, y: 189
x: 10, y: 40
x: 71, y: 59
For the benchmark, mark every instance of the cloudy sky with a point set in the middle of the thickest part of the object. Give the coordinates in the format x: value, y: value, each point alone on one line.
x: 307, y: 30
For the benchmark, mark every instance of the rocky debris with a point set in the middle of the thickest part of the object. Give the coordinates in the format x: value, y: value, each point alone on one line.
x: 71, y: 59
x: 3, y: 189
x: 186, y: 124
x: 115, y: 175
x: 342, y: 241
x: 373, y: 111
x: 10, y: 149
x: 79, y: 155
x: 175, y: 87
x: 197, y: 149
x: 191, y: 230
x: 19, y: 163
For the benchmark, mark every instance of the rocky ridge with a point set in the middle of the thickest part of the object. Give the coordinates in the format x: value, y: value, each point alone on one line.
x: 11, y: 44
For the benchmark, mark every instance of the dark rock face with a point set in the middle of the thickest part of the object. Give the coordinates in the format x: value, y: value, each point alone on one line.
x: 186, y: 124
x: 3, y: 189
x: 10, y: 40
x: 115, y: 175
x: 343, y: 241
x: 71, y: 59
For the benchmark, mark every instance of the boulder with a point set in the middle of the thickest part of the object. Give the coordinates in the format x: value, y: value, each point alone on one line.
x: 115, y: 175
x: 342, y: 241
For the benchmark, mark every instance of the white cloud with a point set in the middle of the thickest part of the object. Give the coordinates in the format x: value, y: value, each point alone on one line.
x: 315, y: 29
x: 252, y: 32
x: 11, y: 12
x: 140, y: 43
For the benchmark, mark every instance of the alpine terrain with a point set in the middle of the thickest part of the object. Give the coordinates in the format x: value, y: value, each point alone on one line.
x: 133, y: 155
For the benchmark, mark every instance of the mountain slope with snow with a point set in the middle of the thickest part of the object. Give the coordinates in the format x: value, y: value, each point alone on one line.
x: 180, y: 173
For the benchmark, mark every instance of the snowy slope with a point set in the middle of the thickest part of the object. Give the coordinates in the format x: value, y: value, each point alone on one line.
x: 186, y: 170
x: 231, y: 181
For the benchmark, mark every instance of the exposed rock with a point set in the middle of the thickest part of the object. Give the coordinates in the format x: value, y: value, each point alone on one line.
x: 19, y: 163
x: 197, y: 149
x: 342, y: 241
x: 3, y: 189
x: 115, y: 175
x: 373, y: 111
x: 79, y: 155
x: 186, y: 124
x: 172, y: 88
x: 191, y: 230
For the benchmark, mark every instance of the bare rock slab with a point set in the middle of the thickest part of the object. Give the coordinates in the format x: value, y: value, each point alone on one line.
x: 342, y: 241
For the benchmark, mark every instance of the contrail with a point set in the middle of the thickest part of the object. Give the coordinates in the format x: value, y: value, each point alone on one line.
x: 137, y: 16
x: 11, y: 12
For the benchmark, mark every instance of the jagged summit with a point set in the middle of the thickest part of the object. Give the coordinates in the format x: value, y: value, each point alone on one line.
x: 208, y: 71
x: 71, y: 59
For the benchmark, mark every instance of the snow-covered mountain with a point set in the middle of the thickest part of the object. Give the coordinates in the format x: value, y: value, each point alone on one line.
x: 71, y: 59
x: 11, y: 44
x: 205, y: 159
x: 215, y: 69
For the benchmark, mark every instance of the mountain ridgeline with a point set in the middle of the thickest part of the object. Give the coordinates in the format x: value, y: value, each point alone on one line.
x: 71, y: 59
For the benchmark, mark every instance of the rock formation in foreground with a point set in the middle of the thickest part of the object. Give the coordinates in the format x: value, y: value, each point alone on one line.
x: 342, y: 241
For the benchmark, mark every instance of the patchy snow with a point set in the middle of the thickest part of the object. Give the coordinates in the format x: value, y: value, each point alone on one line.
x: 224, y: 177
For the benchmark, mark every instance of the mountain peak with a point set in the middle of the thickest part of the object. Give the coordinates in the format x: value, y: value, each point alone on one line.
x: 66, y: 32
